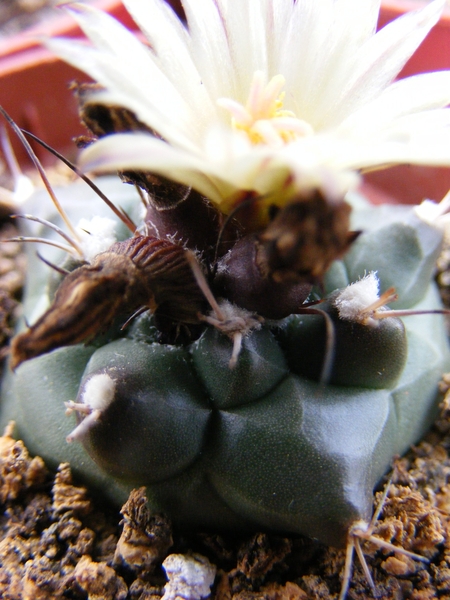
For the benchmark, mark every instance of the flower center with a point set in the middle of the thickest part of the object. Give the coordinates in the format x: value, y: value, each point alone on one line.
x: 263, y: 117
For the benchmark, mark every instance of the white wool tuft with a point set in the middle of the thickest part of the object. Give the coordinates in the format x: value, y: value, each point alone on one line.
x: 97, y: 235
x: 356, y: 297
x: 99, y: 392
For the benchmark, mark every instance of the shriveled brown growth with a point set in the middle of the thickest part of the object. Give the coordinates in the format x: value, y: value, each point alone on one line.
x: 141, y: 272
x: 146, y: 537
x: 304, y: 238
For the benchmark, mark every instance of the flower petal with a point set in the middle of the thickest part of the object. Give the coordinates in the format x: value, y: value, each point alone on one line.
x: 209, y: 47
x: 122, y: 63
x: 278, y: 17
x: 356, y: 19
x: 170, y: 41
x: 422, y: 139
x: 234, y: 54
x: 144, y: 152
x: 246, y: 35
x: 126, y: 91
x: 406, y: 96
x: 381, y: 58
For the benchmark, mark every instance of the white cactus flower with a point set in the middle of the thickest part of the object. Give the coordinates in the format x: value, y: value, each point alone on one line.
x: 271, y: 97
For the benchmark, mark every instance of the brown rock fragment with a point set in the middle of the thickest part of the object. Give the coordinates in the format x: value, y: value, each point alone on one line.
x: 399, y: 565
x: 66, y: 496
x: 99, y: 581
x: 18, y: 471
x: 144, y: 590
x: 259, y: 556
x: 145, y: 538
x: 410, y: 521
x: 289, y: 591
x: 40, y: 581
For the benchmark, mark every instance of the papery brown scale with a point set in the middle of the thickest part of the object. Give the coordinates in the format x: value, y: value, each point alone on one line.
x: 166, y: 274
x: 304, y: 238
x: 85, y: 303
x: 101, y: 119
x: 137, y: 273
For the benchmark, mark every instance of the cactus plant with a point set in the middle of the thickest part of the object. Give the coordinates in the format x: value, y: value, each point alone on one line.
x: 283, y: 406
x: 267, y: 443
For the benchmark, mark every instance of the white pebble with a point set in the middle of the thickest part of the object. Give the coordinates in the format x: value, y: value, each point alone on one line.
x: 190, y: 577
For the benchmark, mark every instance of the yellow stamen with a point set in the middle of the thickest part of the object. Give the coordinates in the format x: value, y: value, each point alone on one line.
x: 263, y: 117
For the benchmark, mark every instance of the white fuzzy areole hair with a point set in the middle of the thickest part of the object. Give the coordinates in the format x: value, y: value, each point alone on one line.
x: 97, y: 235
x: 99, y: 392
x: 356, y: 297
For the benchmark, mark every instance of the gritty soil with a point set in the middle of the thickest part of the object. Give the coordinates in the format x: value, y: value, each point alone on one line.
x: 57, y: 541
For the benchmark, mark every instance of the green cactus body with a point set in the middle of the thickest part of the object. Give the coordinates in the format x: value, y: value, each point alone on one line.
x: 263, y: 445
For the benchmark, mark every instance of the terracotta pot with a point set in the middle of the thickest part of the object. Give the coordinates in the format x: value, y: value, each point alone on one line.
x: 34, y: 89
x: 411, y: 184
x: 34, y: 84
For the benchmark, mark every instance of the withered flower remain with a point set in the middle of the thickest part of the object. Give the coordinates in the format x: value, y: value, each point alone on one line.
x: 140, y: 273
